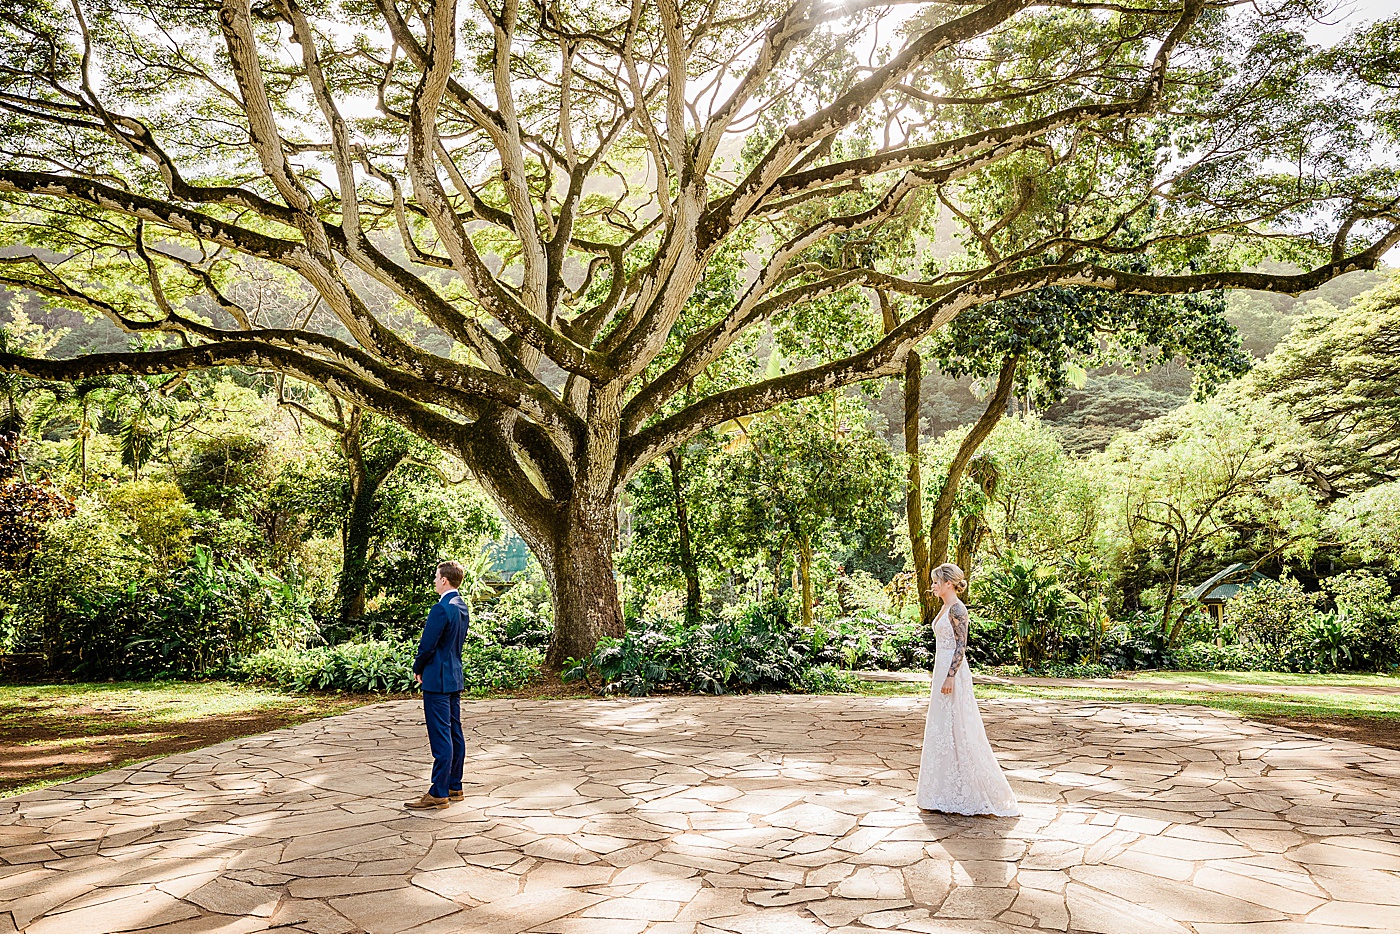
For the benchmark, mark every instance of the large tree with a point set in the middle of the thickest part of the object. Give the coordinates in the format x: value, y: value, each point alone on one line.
x: 546, y: 185
x: 1032, y: 345
x: 1338, y: 373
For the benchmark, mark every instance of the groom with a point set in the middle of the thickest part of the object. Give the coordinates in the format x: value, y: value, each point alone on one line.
x: 438, y: 668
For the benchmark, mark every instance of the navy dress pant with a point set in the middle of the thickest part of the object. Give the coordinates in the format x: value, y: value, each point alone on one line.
x: 443, y: 713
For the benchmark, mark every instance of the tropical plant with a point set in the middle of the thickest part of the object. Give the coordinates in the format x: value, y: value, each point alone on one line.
x: 1089, y: 584
x: 1028, y: 598
x: 1136, y: 643
x: 145, y: 415
x: 75, y: 409
x: 752, y: 650
x: 1322, y: 642
x: 1365, y: 599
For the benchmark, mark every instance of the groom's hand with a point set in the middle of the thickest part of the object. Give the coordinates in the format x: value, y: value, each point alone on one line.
x: 417, y: 679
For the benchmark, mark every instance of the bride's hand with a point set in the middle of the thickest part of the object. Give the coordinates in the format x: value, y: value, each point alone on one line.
x: 947, y: 687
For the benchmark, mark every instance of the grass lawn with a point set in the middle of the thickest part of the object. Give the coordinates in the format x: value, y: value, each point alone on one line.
x: 1271, y: 678
x: 54, y: 732
x: 1341, y: 706
x: 1366, y: 718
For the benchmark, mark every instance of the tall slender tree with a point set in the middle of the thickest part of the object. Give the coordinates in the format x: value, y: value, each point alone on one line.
x: 370, y: 454
x: 1033, y: 345
x: 548, y: 185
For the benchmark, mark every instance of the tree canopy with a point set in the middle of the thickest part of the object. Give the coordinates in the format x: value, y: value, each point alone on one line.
x: 1337, y: 373
x: 546, y: 237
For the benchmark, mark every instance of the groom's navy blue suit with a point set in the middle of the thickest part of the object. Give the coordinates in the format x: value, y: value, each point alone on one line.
x: 439, y: 661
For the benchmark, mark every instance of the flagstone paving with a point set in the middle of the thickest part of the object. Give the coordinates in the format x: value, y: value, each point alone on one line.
x: 737, y: 815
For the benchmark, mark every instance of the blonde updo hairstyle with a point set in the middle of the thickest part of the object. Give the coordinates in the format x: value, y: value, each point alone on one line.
x: 950, y: 574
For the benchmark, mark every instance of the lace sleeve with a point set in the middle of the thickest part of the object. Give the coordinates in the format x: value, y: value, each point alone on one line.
x: 957, y: 615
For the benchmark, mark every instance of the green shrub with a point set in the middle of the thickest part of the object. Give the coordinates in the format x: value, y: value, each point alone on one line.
x: 756, y: 649
x: 80, y: 558
x: 1207, y: 656
x: 290, y: 669
x: 1029, y: 599
x: 635, y: 664
x: 193, y: 622
x: 989, y: 642
x: 162, y: 517
x: 1135, y: 644
x: 490, y: 668
x: 1322, y: 643
x: 91, y: 603
x: 522, y: 615
x: 26, y: 509
x: 878, y: 642
x: 375, y: 667
x: 827, y: 679
x: 1365, y: 600
x: 1051, y: 670
x: 1269, y: 612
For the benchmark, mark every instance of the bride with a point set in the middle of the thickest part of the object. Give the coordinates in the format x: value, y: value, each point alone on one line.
x: 958, y: 773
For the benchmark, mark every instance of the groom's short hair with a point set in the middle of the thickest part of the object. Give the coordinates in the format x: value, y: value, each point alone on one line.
x: 452, y: 572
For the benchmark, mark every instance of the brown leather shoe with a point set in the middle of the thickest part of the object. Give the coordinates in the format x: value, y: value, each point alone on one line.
x: 425, y: 803
x: 457, y: 795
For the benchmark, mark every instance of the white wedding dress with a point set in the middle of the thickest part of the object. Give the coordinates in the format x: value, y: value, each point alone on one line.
x: 958, y: 773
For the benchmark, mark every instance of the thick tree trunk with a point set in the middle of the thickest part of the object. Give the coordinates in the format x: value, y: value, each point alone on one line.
x: 357, y: 534
x: 969, y: 536
x: 914, y: 490
x: 974, y: 527
x: 355, y: 537
x: 941, y: 523
x: 354, y: 568
x: 689, y: 568
x: 568, y: 518
x: 582, y: 586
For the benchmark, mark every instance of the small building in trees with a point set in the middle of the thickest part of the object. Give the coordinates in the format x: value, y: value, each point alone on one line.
x: 1224, y: 586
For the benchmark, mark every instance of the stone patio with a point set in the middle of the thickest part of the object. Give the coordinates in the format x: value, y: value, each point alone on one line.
x: 750, y: 815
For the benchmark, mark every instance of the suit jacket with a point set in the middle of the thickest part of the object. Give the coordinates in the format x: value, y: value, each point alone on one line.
x: 439, y: 658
